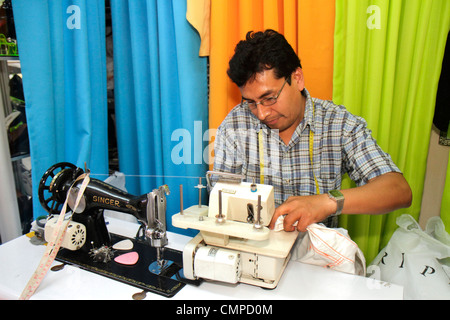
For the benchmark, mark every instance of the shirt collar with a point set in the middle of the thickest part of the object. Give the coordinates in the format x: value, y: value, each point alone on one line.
x: 308, y: 117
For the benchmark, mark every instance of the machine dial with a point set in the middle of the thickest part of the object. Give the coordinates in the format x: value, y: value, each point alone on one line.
x: 54, y: 185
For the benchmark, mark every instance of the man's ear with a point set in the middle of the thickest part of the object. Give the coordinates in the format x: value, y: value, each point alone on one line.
x: 297, y: 78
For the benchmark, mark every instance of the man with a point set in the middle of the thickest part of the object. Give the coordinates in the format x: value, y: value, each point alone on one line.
x: 279, y: 135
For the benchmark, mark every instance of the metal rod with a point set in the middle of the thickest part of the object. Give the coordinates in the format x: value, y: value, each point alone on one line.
x: 257, y: 224
x: 200, y: 186
x: 220, y: 218
x: 220, y: 203
x: 181, y: 199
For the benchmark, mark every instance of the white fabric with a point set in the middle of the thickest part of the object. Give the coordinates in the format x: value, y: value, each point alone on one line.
x: 331, y: 248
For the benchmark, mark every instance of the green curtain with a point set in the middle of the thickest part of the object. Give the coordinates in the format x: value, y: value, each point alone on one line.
x: 388, y: 57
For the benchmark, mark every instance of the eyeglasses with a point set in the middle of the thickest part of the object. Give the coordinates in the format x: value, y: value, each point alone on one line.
x: 269, y: 101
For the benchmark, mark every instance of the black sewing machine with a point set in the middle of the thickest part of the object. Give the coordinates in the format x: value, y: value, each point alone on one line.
x: 87, y: 242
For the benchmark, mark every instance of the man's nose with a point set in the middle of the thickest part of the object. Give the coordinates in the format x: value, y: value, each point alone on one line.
x: 262, y: 112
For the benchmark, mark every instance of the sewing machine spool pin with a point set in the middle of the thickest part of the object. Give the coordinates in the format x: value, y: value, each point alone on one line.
x: 220, y: 218
x: 181, y: 199
x: 200, y: 186
x: 253, y: 186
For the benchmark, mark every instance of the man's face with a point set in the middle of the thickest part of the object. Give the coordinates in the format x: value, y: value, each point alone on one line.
x: 288, y: 111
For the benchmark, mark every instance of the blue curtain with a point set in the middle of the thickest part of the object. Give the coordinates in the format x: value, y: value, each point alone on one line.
x: 63, y: 59
x: 161, y: 105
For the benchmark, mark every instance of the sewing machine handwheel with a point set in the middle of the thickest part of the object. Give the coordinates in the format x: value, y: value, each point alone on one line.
x: 54, y: 185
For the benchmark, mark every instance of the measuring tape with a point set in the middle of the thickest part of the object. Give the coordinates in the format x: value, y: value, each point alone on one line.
x: 54, y: 245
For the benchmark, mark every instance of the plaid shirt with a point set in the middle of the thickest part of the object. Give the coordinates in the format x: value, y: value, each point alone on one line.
x: 342, y: 144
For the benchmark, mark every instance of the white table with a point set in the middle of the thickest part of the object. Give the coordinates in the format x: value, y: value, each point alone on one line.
x: 19, y: 259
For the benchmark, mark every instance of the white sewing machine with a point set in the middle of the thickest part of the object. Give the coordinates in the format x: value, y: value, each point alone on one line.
x: 234, y: 243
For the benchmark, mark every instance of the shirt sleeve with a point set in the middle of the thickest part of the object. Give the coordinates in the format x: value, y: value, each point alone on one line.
x: 363, y: 157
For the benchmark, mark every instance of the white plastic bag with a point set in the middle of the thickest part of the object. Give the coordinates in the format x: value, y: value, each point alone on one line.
x: 415, y: 259
x: 330, y: 248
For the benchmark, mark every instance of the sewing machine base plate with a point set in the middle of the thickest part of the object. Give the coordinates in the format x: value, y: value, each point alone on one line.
x: 166, y: 284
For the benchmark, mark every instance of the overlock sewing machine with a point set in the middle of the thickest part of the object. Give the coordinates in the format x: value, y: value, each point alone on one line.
x: 234, y: 243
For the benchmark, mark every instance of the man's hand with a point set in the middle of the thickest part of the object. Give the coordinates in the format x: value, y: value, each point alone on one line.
x: 380, y: 195
x: 305, y: 210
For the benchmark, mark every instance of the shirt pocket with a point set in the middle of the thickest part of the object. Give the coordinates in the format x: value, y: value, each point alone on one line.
x: 330, y: 169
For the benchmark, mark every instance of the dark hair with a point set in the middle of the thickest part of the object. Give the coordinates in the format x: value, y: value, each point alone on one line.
x: 262, y: 51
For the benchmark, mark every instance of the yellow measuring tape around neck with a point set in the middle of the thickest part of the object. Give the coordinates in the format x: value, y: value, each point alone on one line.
x: 311, y: 152
x: 261, y: 157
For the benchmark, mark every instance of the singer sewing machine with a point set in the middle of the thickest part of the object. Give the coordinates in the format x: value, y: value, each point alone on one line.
x: 87, y: 242
x: 234, y: 244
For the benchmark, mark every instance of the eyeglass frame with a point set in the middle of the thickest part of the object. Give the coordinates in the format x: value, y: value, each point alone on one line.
x: 262, y: 102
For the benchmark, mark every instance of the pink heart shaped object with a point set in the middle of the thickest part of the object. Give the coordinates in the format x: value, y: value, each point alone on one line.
x: 127, y: 258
